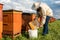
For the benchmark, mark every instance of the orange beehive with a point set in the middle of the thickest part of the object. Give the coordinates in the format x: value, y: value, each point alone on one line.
x: 1, y: 21
x: 12, y: 22
x: 52, y: 19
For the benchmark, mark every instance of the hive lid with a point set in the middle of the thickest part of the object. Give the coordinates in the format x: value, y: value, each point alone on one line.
x: 11, y: 10
x: 1, y: 4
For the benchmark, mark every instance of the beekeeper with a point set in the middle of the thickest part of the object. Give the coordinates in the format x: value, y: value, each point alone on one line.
x: 44, y: 11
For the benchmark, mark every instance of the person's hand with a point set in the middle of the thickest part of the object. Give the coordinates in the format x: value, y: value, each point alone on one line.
x: 41, y: 25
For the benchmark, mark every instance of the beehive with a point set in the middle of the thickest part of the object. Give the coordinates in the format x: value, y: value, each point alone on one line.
x: 1, y: 21
x: 52, y: 19
x: 26, y: 18
x: 12, y: 22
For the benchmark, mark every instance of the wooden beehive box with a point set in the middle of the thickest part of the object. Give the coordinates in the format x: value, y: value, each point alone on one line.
x: 1, y: 21
x: 12, y: 22
x: 52, y: 19
x: 26, y: 18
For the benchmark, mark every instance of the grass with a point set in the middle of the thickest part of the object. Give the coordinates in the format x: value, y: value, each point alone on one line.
x: 54, y: 33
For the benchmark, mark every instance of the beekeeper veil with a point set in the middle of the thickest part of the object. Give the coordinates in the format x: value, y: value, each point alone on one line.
x: 35, y: 5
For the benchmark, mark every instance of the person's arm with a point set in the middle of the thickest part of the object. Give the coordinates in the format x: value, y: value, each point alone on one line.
x: 43, y: 17
x: 43, y: 21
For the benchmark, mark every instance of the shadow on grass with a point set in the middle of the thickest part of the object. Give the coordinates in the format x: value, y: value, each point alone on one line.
x: 25, y: 34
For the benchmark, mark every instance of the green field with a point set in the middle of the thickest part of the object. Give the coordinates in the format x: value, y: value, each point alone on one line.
x: 54, y: 33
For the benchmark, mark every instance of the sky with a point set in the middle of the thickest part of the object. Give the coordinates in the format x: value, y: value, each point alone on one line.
x: 25, y: 5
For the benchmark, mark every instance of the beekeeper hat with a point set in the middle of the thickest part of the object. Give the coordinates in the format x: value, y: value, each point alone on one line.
x: 35, y: 5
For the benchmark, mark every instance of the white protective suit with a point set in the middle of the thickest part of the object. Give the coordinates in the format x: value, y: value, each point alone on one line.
x: 46, y: 10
